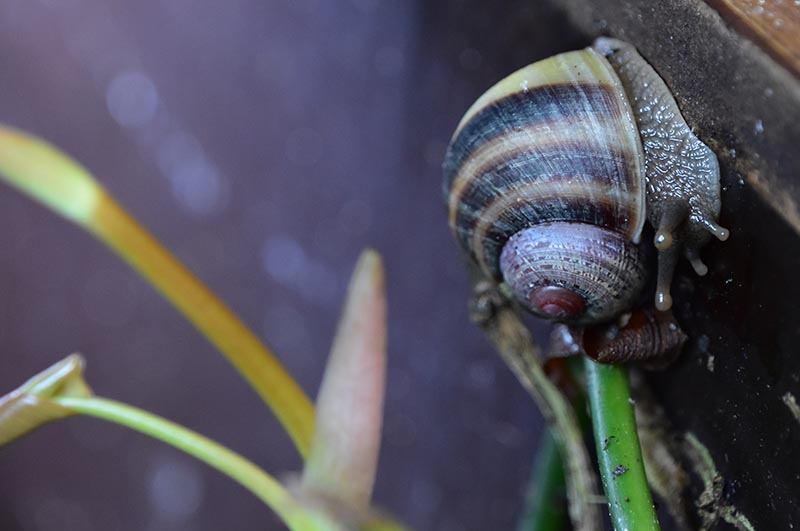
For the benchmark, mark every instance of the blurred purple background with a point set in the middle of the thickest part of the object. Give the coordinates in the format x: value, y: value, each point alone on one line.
x: 265, y: 144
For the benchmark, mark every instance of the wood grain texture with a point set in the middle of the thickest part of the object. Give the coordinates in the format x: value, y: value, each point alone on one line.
x: 773, y: 24
x: 735, y: 98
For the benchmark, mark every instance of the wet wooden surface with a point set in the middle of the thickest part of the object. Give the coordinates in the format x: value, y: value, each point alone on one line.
x: 740, y: 368
x: 773, y: 24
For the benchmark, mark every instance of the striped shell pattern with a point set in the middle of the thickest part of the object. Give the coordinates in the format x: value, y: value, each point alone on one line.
x: 548, y: 165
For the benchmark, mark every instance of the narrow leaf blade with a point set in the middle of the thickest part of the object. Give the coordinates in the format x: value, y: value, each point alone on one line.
x: 344, y: 451
x: 43, y: 172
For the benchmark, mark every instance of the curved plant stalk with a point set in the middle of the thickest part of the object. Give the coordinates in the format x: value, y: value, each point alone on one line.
x: 44, y: 173
x: 256, y: 480
x: 618, y: 451
x: 545, y: 508
x: 335, y: 491
x: 493, y: 313
x: 60, y: 391
x: 297, y: 512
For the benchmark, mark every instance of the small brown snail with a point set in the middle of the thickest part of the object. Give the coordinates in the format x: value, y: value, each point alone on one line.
x: 551, y: 174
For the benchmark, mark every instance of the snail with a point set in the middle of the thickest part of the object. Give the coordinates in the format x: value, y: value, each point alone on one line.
x: 551, y: 174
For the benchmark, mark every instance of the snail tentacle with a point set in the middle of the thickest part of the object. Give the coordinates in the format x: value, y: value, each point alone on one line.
x: 667, y: 260
x: 674, y: 214
x: 693, y: 256
x: 714, y: 228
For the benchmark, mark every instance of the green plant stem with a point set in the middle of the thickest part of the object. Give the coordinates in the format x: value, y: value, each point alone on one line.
x: 247, y: 474
x: 122, y: 233
x: 546, y: 503
x: 618, y: 451
x: 493, y: 312
x: 44, y: 173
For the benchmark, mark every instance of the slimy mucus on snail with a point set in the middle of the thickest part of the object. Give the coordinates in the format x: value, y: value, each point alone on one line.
x: 551, y: 174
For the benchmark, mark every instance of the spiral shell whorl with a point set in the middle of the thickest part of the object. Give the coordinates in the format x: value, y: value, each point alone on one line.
x: 554, y: 141
x: 573, y: 272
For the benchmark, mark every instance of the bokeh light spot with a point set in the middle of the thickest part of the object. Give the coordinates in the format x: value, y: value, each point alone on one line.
x: 132, y: 98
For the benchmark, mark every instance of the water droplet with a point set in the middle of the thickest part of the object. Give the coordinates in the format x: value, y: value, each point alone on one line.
x: 197, y: 185
x: 176, y: 489
x: 283, y: 259
x: 131, y: 98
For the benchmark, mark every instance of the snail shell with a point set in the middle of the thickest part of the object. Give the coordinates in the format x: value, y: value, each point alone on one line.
x: 548, y: 183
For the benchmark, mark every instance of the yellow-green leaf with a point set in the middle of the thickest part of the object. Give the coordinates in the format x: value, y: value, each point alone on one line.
x: 51, y: 177
x: 38, y: 169
x: 31, y: 405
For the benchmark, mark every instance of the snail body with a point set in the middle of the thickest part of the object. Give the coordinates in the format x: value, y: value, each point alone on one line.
x: 551, y: 174
x: 681, y: 172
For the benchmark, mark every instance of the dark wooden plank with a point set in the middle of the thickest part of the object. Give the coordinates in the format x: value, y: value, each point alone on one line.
x: 774, y: 25
x: 740, y: 369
